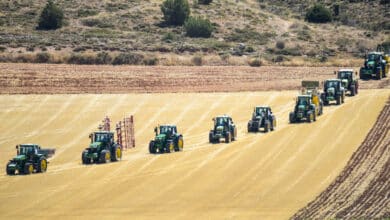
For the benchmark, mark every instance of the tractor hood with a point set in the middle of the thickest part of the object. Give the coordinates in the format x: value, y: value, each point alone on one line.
x: 219, y: 128
x: 331, y: 90
x: 371, y: 63
x: 20, y: 157
x: 301, y: 108
x: 161, y: 137
x: 95, y: 144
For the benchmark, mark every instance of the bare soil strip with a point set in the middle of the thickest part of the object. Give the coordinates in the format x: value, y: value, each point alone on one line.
x: 362, y: 189
x: 68, y: 79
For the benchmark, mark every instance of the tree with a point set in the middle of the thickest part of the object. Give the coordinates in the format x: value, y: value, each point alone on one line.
x: 51, y: 17
x: 318, y: 14
x: 175, y: 12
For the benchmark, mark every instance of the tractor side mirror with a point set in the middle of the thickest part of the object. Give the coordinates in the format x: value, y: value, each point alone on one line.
x: 17, y: 147
x: 356, y: 73
x: 213, y: 119
x: 90, y: 135
x: 335, y: 72
x: 155, y: 130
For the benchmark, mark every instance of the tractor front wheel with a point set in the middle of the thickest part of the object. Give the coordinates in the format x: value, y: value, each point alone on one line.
x: 116, y: 153
x: 152, y: 147
x: 169, y: 147
x: 211, y: 138
x: 338, y: 100
x: 28, y: 169
x: 10, y: 171
x: 227, y: 137
x: 353, y: 90
x: 292, y: 117
x: 104, y: 156
x: 266, y: 126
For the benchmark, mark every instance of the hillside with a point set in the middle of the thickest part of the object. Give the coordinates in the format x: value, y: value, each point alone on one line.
x: 137, y: 26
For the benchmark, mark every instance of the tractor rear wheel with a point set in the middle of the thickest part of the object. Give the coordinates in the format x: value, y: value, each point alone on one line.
x: 180, y: 144
x: 338, y: 100
x: 42, y: 166
x: 152, y: 147
x: 28, y: 169
x: 211, y: 138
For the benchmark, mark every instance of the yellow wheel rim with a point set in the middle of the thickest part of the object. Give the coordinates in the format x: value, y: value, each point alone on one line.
x: 43, y: 165
x: 180, y: 144
x: 171, y: 147
x: 107, y: 156
x: 30, y: 168
x: 118, y: 153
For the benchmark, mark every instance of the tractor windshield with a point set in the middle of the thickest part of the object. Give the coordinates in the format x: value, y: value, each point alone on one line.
x: 345, y: 75
x: 331, y: 84
x: 260, y: 111
x: 101, y: 137
x: 372, y: 57
x: 220, y: 121
x: 26, y: 149
x: 303, y: 101
x: 166, y: 129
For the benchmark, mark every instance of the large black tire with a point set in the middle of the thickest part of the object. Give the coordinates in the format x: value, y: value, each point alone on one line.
x: 353, y: 90
x: 179, y: 144
x: 28, y: 169
x: 228, y: 137
x: 234, y: 136
x: 342, y: 98
x: 152, y: 148
x: 314, y: 116
x: 249, y: 128
x: 104, y: 156
x: 338, y: 100
x: 84, y: 159
x: 116, y: 153
x: 169, y: 147
x: 42, y: 165
x: 211, y: 137
x: 266, y: 126
x: 9, y: 171
x: 272, y: 125
x: 357, y: 87
x: 292, y: 117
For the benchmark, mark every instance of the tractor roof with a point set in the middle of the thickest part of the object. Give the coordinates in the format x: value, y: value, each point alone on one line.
x: 262, y: 106
x: 346, y: 70
x: 104, y: 132
x: 333, y: 80
x: 223, y: 116
x: 304, y: 96
x: 375, y: 52
x: 168, y: 125
x: 28, y: 144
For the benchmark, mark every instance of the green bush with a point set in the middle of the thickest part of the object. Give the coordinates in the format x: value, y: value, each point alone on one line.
x: 318, y: 14
x: 51, y: 17
x: 128, y: 58
x: 255, y: 62
x: 77, y: 58
x: 103, y: 58
x: 198, y: 27
x: 204, y: 2
x: 175, y: 12
x: 42, y: 57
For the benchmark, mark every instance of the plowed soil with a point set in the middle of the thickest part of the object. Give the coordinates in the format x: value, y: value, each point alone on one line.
x: 259, y: 176
x: 362, y: 190
x: 59, y: 79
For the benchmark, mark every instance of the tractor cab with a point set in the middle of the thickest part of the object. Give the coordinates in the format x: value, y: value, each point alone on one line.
x: 222, y: 121
x: 261, y: 111
x: 102, y: 136
x: 346, y: 76
x: 167, y: 130
x: 27, y: 149
x: 304, y: 100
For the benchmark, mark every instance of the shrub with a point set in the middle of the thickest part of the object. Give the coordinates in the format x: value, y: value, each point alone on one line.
x: 77, y: 58
x: 128, y: 58
x: 42, y: 57
x: 318, y: 14
x: 197, y: 60
x: 150, y: 61
x: 255, y: 62
x: 175, y: 12
x: 280, y: 44
x: 51, y: 17
x: 198, y: 27
x: 204, y: 2
x: 103, y: 58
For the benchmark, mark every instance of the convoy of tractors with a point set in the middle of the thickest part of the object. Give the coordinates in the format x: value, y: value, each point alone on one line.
x: 308, y: 106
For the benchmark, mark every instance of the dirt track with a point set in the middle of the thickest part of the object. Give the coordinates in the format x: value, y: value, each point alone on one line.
x: 58, y: 79
x: 362, y: 190
x: 259, y: 176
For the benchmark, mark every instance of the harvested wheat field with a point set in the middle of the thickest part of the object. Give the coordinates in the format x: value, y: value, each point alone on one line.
x: 259, y: 176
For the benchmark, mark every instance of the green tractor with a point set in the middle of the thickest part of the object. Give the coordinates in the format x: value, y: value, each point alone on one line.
x: 305, y: 110
x: 375, y: 65
x: 166, y: 140
x: 30, y: 158
x: 262, y: 117
x: 333, y: 91
x: 223, y: 128
x: 349, y: 80
x: 102, y: 148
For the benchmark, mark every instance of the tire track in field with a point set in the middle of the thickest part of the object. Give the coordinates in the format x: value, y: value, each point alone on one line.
x: 356, y: 192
